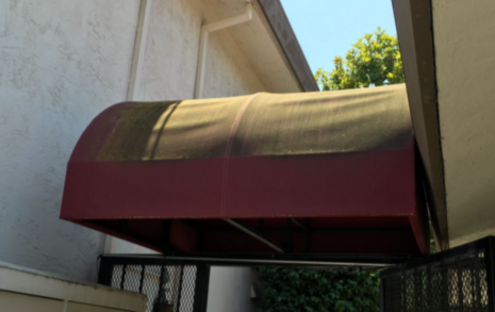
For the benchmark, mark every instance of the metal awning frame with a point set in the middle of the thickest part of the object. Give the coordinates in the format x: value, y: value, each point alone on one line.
x: 352, y: 262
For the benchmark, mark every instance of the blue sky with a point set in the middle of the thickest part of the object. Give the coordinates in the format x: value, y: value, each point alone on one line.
x: 327, y: 28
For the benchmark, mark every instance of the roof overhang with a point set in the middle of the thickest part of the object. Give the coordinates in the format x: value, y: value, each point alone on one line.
x: 311, y: 173
x: 268, y: 44
x: 274, y: 15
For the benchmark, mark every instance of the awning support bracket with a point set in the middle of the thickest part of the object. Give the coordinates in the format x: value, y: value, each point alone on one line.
x: 299, y: 224
x: 123, y: 226
x: 167, y: 244
x: 307, y: 229
x: 290, y: 245
x: 308, y: 236
x: 255, y: 234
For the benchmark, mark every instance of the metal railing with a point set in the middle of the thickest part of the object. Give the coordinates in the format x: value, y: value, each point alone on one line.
x: 170, y: 286
x: 457, y: 280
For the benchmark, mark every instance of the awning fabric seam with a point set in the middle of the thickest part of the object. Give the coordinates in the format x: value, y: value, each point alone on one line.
x: 229, y: 149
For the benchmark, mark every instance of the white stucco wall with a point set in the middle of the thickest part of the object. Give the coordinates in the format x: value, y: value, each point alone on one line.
x: 170, y: 64
x: 169, y: 71
x: 61, y: 63
x: 64, y: 61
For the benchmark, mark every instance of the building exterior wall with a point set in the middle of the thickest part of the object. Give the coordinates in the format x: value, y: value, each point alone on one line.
x: 63, y: 62
x: 175, y: 33
x: 169, y: 70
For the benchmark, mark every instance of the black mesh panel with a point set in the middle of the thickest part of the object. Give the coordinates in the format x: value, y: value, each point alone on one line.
x: 170, y: 288
x: 454, y: 285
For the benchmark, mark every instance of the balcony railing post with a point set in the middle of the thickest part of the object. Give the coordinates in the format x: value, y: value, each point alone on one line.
x: 382, y: 295
x: 201, y: 289
x: 490, y: 278
x: 104, y: 271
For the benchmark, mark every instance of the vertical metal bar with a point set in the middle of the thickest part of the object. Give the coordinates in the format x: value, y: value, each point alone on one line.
x: 403, y: 292
x: 490, y: 278
x: 445, y: 287
x: 476, y: 286
x: 429, y: 290
x: 104, y: 271
x: 108, y: 273
x: 481, y: 273
x: 198, y: 289
x: 308, y: 236
x: 289, y: 235
x: 472, y: 272
x: 123, y: 226
x: 201, y: 288
x: 181, y: 279
x: 460, y: 272
x: 201, y: 235
x: 206, y: 287
x: 141, y: 280
x: 122, y: 277
x: 398, y: 294
x: 260, y: 224
x: 382, y: 295
x: 417, y: 290
x: 167, y: 230
x: 160, y: 286
x: 390, y: 294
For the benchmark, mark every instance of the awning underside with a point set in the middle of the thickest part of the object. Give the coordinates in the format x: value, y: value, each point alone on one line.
x: 329, y: 172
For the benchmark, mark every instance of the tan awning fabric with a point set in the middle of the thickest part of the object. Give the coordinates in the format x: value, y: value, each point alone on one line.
x: 260, y: 125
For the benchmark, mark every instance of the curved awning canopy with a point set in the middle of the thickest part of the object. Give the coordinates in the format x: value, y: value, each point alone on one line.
x: 314, y: 173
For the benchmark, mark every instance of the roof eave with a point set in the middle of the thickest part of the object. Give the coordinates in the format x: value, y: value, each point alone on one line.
x: 276, y: 18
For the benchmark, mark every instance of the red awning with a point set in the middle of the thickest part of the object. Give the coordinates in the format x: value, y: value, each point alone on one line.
x: 330, y: 172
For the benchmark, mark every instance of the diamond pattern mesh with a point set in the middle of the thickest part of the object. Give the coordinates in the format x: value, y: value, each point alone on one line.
x: 170, y: 288
x: 453, y: 285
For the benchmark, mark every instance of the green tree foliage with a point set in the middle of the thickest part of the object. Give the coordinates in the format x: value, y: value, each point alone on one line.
x: 308, y: 290
x: 374, y: 60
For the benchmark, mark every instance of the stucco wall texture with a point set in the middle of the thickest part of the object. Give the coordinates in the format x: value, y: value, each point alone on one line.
x: 172, y: 49
x: 62, y: 62
x: 465, y: 49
